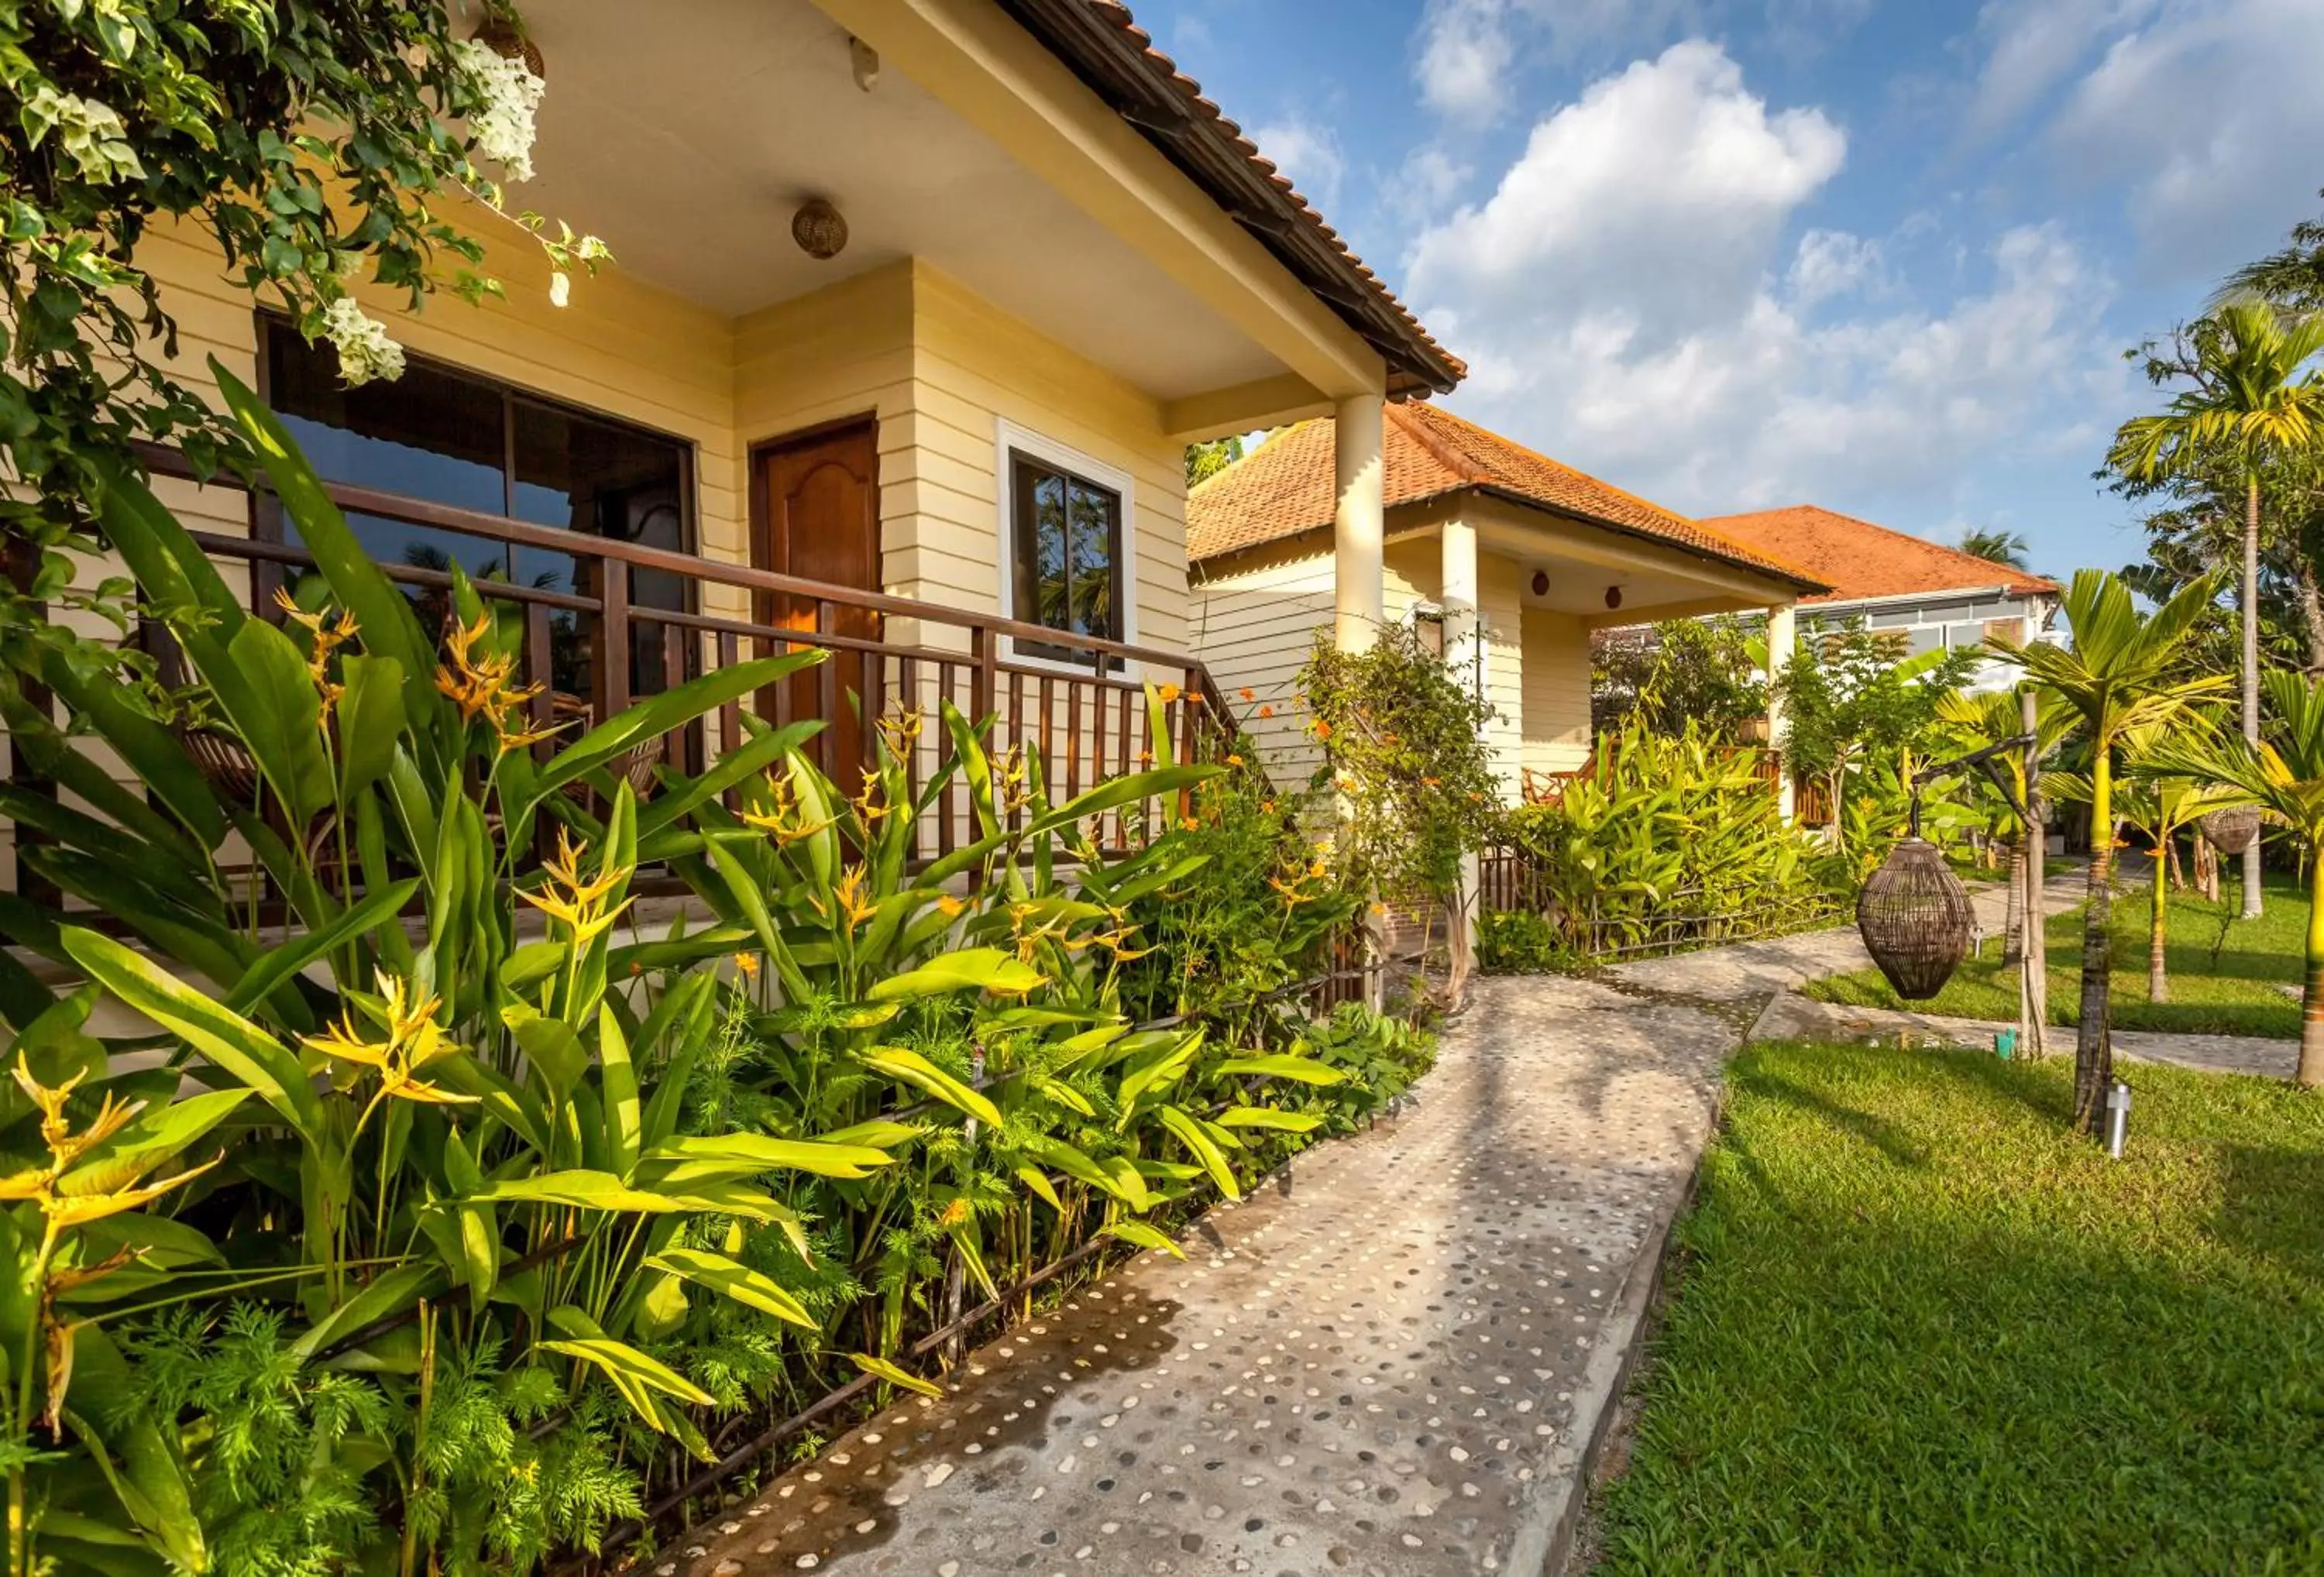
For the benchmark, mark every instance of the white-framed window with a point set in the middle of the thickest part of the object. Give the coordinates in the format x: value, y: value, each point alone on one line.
x: 1067, y: 546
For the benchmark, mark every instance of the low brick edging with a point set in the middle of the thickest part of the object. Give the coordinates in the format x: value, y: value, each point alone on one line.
x: 1612, y: 1367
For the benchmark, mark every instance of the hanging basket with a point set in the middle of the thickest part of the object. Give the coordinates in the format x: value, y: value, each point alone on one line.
x: 2231, y: 831
x: 1915, y: 920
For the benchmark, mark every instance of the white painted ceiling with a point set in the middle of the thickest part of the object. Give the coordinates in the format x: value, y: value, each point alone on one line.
x: 687, y: 134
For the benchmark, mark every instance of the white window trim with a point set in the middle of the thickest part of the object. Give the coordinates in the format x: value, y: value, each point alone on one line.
x: 1009, y: 436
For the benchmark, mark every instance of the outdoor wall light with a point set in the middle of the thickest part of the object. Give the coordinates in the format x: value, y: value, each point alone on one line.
x: 1541, y: 582
x: 819, y: 229
x: 1613, y: 596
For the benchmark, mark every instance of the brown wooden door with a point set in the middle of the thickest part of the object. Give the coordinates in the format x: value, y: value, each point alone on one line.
x: 815, y: 514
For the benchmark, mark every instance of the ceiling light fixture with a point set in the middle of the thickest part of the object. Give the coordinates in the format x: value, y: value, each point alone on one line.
x: 819, y: 229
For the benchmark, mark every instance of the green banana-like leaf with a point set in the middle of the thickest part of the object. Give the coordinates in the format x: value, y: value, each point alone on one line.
x: 1268, y: 1116
x: 988, y: 969
x: 1205, y: 1150
x: 150, y: 1139
x: 1143, y: 1236
x: 389, y: 1292
x: 736, y: 1280
x: 371, y: 722
x: 881, y: 1369
x: 907, y: 1067
x: 1305, y: 1070
x: 276, y: 966
x: 656, y: 714
x: 218, y: 1033
x: 753, y: 1153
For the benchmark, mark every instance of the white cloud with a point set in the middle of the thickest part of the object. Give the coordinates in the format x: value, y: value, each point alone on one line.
x: 2211, y: 114
x: 1655, y: 197
x: 1469, y: 49
x: 1833, y: 263
x: 1309, y: 155
x: 2033, y: 45
x: 1631, y: 300
x: 1464, y: 48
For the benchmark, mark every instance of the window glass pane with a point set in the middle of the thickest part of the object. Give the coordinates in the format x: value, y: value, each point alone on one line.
x: 575, y: 473
x: 1924, y: 637
x: 430, y: 435
x: 1096, y: 516
x: 1893, y: 620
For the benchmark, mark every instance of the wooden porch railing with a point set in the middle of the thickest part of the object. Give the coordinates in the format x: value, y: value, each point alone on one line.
x: 1088, y: 717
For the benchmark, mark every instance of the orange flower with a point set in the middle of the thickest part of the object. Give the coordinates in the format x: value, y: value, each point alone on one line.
x: 746, y: 964
x: 1267, y: 808
x: 1234, y: 760
x: 1267, y: 711
x: 1322, y: 729
x: 1190, y: 823
x: 1169, y: 692
x: 1244, y: 692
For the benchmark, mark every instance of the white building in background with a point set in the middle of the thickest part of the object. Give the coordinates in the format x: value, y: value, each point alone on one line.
x: 1930, y: 595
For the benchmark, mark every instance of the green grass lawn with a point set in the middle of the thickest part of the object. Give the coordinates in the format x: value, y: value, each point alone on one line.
x: 2237, y: 992
x: 1919, y: 1327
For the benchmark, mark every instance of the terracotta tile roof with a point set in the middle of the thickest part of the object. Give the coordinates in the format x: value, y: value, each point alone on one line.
x: 1103, y: 44
x: 1287, y: 486
x: 1859, y: 559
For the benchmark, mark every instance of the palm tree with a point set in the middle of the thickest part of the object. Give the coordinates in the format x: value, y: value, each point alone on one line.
x: 2158, y: 804
x: 2120, y: 675
x: 2285, y: 777
x: 2003, y: 547
x: 2248, y: 404
x: 1973, y: 720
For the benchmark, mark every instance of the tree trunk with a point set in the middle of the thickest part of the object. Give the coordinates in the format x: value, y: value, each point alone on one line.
x: 2178, y: 872
x: 2013, y: 924
x: 2251, y: 669
x: 2093, y: 1047
x: 2033, y: 977
x: 2206, y: 868
x: 2311, y: 1006
x: 2158, y: 987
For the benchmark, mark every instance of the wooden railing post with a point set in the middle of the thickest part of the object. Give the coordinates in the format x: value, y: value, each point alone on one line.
x: 614, y: 638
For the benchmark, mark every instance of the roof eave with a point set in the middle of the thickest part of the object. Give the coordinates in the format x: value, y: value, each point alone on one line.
x: 1099, y: 43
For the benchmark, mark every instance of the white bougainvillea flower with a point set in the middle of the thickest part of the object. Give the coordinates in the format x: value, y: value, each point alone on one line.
x: 365, y: 351
x: 560, y: 288
x: 502, y: 124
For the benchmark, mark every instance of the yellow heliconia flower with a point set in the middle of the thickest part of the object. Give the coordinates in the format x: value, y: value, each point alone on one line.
x: 784, y: 820
x: 578, y: 904
x: 66, y: 1149
x: 485, y: 685
x: 853, y: 901
x: 411, y: 1040
x: 870, y: 803
x: 327, y: 635
x: 901, y: 729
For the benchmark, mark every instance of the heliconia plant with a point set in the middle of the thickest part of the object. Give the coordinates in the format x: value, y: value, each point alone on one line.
x: 419, y: 1224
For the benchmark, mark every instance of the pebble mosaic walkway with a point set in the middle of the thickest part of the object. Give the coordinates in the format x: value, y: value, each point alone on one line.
x: 1384, y: 1364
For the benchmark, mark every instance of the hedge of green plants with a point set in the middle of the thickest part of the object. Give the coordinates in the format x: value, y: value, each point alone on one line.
x: 1667, y: 841
x: 452, y: 1217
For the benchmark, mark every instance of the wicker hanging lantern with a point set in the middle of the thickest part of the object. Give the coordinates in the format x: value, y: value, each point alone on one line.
x: 1915, y: 920
x: 2231, y: 829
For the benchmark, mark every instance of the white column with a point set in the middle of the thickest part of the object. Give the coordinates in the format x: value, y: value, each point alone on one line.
x: 1358, y: 526
x: 1463, y: 638
x: 1463, y: 655
x: 1781, y: 635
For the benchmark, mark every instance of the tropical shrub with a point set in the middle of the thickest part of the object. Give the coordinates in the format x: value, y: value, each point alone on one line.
x: 1703, y: 672
x: 1852, y: 701
x: 437, y: 1221
x: 1663, y: 840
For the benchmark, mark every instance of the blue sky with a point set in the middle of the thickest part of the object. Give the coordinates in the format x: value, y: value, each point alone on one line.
x: 1881, y: 255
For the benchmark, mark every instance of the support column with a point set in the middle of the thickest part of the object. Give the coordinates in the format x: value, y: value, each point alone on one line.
x: 1781, y: 636
x: 1463, y: 636
x: 1464, y: 650
x: 1358, y: 524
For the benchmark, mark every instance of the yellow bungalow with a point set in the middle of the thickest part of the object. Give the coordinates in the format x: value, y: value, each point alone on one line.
x: 915, y: 305
x: 1506, y: 557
